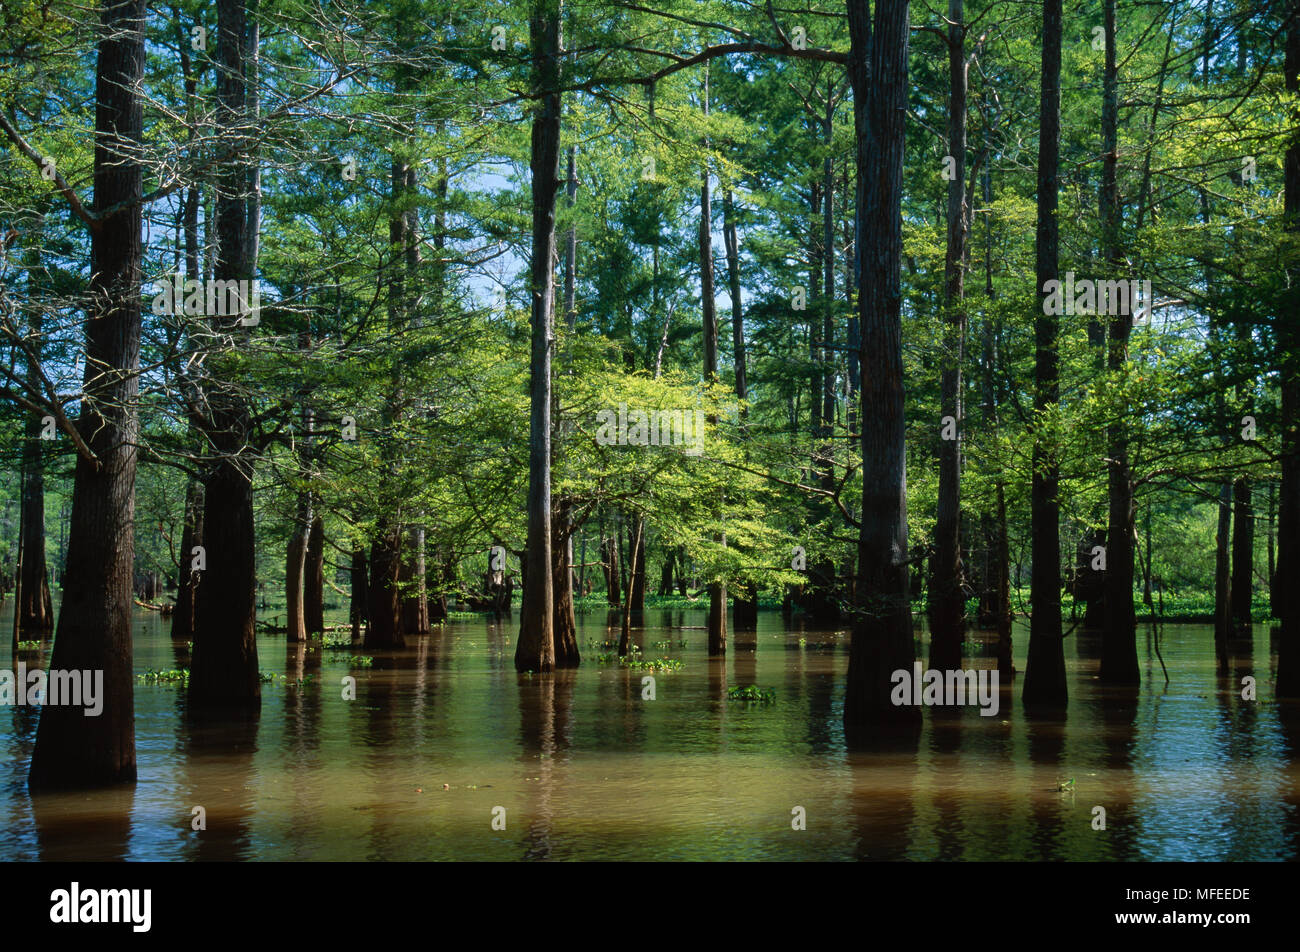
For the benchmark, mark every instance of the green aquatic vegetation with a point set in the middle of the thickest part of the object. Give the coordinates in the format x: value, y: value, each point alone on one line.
x: 302, y: 682
x: 171, y: 676
x: 652, y: 664
x: 635, y: 662
x: 751, y: 692
x: 355, y: 661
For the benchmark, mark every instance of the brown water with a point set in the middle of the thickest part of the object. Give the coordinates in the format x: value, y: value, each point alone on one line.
x: 586, y: 769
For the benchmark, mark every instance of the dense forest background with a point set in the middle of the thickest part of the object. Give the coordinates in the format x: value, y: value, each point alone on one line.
x: 830, y: 233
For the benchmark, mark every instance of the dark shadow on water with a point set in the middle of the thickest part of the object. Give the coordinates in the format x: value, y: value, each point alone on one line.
x: 1045, y: 738
x: 883, y: 825
x: 545, y: 734
x: 75, y: 828
x: 218, y: 753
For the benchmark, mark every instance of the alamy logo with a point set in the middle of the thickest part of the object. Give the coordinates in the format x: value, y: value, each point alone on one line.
x: 1097, y: 297
x: 75, y: 905
x: 946, y: 688
x: 57, y: 688
x: 652, y: 428
x: 210, y: 299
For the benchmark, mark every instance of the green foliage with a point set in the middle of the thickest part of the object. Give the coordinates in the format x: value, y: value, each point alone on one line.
x: 751, y: 693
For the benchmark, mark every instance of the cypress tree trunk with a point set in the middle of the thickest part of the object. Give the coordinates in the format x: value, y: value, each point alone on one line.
x: 825, y: 606
x: 187, y: 579
x: 609, y: 565
x: 731, y: 241
x: 565, y: 627
x: 637, y: 579
x: 295, y: 563
x: 1274, y: 603
x: 384, y: 612
x: 94, y: 632
x: 359, y: 610
x: 35, y: 607
x: 535, y: 650
x: 744, y: 598
x: 717, y: 617
x: 1223, y: 533
x: 223, y: 670
x: 1087, y: 584
x: 1045, y: 686
x: 666, y: 578
x: 1243, y: 555
x: 1223, y: 576
x: 296, y: 555
x: 223, y: 667
x: 997, y: 533
x: 1288, y: 360
x: 313, y: 582
x: 625, y: 634
x: 947, y: 599
x: 882, y: 634
x: 415, y: 603
x: 1119, y: 661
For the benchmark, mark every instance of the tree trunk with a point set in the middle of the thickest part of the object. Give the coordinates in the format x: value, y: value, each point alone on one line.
x: 224, y: 670
x: 187, y: 579
x: 565, y: 627
x: 313, y: 580
x: 1119, y: 661
x: 415, y: 597
x: 1274, y: 603
x: 717, y: 617
x: 637, y: 579
x: 35, y: 608
x: 947, y: 598
x: 94, y: 631
x: 625, y: 633
x: 1243, y: 555
x: 1288, y: 361
x: 997, y: 535
x: 731, y: 242
x: 745, y: 598
x: 535, y: 650
x: 359, y: 610
x: 882, y: 634
x: 609, y: 565
x: 666, y: 579
x: 1088, y: 585
x: 385, y: 615
x: 223, y: 667
x: 295, y: 563
x: 1223, y: 576
x: 1045, y: 686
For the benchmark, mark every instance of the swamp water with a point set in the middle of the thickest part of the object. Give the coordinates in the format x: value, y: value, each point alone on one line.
x: 444, y: 733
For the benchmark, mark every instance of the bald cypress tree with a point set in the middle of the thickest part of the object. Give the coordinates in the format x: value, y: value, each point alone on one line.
x: 94, y: 631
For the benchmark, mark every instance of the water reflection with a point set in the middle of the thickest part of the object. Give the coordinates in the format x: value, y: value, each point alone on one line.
x: 590, y: 764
